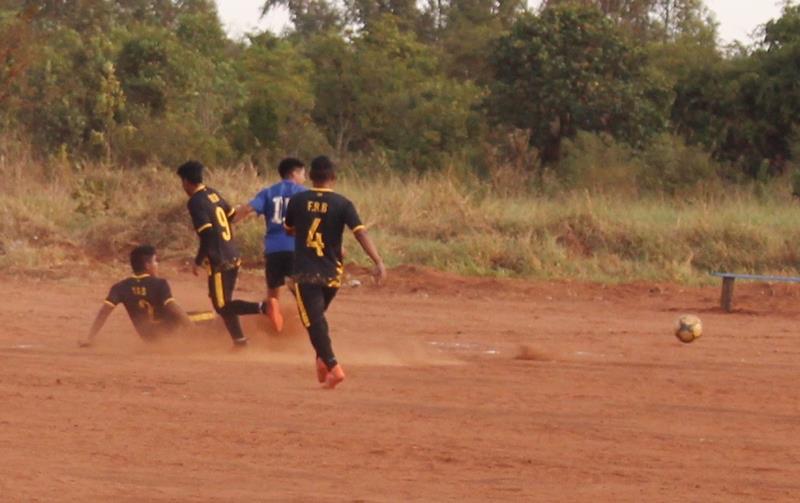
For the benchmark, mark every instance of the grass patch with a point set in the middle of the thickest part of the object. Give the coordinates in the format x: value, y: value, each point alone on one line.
x: 54, y: 215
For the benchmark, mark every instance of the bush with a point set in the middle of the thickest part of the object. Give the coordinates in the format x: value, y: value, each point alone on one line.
x: 672, y: 167
x: 598, y: 163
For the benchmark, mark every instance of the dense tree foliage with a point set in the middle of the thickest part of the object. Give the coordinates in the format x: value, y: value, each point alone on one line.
x: 419, y: 85
x: 568, y: 70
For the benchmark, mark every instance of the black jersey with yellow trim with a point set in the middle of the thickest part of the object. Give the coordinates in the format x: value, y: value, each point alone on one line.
x: 144, y: 298
x: 318, y: 218
x: 211, y: 216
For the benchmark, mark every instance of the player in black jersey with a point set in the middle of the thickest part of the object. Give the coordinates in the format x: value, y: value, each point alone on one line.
x: 317, y: 219
x: 146, y: 297
x: 211, y: 216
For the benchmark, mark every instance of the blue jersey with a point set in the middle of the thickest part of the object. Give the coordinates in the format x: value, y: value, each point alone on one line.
x: 271, y: 202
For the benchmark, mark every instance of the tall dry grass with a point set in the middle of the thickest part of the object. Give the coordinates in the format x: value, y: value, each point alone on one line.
x: 55, y: 215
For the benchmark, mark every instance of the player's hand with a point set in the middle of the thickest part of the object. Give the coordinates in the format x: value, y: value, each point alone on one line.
x: 85, y: 343
x: 195, y: 270
x: 379, y: 273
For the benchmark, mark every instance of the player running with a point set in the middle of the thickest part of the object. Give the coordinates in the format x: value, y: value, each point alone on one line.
x: 146, y: 297
x: 271, y: 203
x: 210, y: 216
x: 317, y: 219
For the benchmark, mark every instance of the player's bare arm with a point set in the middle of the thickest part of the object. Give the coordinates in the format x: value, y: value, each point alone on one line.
x: 99, y: 321
x: 177, y: 312
x: 379, y: 272
x: 243, y: 211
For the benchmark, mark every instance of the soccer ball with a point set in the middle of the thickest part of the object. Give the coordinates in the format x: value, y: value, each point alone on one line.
x: 688, y: 328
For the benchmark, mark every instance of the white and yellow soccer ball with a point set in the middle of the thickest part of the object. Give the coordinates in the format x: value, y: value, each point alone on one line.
x: 688, y: 328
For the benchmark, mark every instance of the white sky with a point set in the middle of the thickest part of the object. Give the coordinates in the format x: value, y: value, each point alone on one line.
x: 737, y: 18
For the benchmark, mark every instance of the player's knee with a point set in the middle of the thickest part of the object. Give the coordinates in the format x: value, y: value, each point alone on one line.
x: 318, y: 322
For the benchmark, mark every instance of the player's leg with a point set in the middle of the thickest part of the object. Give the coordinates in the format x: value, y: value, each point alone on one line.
x: 220, y: 287
x: 232, y: 308
x: 310, y: 298
x: 336, y: 374
x: 311, y: 304
x: 274, y: 273
x: 328, y: 294
x: 278, y: 267
x: 238, y: 307
x: 311, y: 307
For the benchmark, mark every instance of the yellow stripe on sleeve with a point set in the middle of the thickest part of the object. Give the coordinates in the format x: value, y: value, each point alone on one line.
x: 203, y: 227
x: 359, y: 228
x: 108, y: 302
x: 168, y: 301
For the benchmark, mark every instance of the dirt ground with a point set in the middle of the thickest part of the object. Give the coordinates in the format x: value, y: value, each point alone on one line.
x: 458, y: 389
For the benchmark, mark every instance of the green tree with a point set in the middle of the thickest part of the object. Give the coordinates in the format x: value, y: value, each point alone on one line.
x: 649, y: 20
x: 183, y: 88
x: 745, y: 107
x: 310, y: 17
x: 280, y: 97
x: 71, y: 95
x: 16, y: 37
x: 634, y: 15
x: 466, y: 31
x: 569, y: 69
x: 336, y: 81
x: 386, y: 90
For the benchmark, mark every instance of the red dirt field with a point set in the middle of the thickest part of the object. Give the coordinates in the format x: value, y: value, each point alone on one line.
x: 458, y: 389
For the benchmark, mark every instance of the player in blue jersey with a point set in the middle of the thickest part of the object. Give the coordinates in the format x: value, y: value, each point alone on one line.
x: 271, y: 203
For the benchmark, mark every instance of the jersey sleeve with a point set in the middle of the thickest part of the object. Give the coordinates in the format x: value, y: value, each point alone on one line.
x: 259, y: 203
x: 201, y: 220
x: 115, y: 295
x: 351, y: 218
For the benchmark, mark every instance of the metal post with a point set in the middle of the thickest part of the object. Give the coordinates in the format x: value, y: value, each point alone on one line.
x: 727, y: 294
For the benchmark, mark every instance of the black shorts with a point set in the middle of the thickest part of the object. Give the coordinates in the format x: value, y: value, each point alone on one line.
x: 278, y: 266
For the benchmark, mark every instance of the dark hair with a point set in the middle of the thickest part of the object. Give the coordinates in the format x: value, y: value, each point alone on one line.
x: 322, y: 170
x: 191, y: 171
x: 140, y: 256
x: 288, y: 165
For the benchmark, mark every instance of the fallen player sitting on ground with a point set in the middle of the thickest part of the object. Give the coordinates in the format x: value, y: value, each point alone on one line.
x: 147, y: 299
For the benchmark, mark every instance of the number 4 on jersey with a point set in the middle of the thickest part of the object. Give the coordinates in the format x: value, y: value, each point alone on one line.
x: 314, y: 238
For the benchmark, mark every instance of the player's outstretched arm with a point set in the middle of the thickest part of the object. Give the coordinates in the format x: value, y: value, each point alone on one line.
x: 99, y: 321
x: 369, y: 248
x: 176, y: 312
x: 243, y: 211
